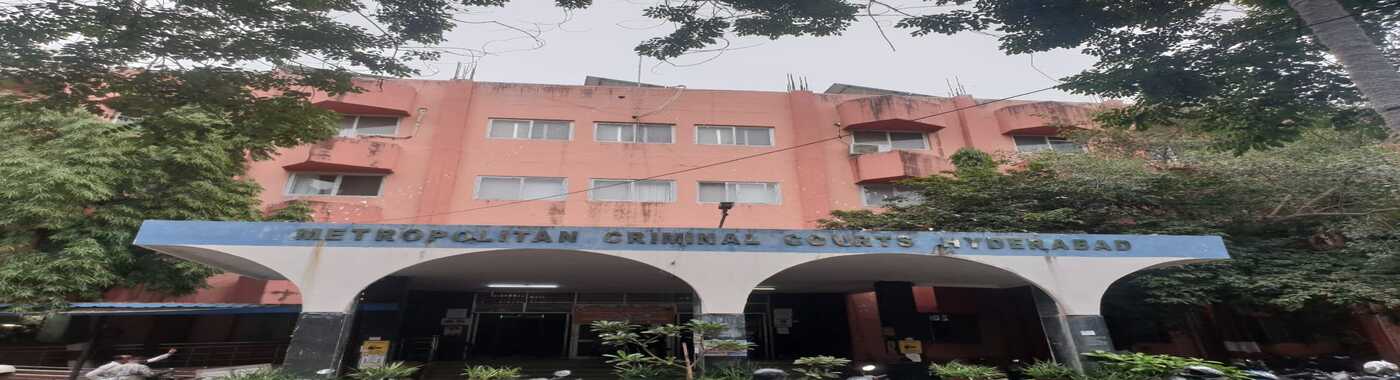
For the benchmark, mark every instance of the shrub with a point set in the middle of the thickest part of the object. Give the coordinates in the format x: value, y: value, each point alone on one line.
x: 819, y: 367
x: 1048, y: 370
x: 391, y: 371
x: 958, y: 371
x: 1156, y: 366
x: 732, y: 371
x: 263, y: 374
x: 483, y: 372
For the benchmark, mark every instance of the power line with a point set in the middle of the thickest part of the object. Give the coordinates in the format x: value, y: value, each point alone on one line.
x: 794, y: 147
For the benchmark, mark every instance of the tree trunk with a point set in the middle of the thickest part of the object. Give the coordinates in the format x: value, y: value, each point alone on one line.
x: 1367, y: 66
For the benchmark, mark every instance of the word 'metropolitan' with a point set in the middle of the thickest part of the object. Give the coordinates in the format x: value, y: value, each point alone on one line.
x: 688, y: 238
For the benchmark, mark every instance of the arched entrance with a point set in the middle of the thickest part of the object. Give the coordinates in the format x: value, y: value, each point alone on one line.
x: 862, y: 306
x: 515, y: 305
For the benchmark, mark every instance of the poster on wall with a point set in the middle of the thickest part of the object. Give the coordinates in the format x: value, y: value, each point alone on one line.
x: 373, y: 353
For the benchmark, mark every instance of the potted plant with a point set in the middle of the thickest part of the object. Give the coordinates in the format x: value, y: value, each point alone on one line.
x: 391, y: 371
x: 483, y: 372
x: 1048, y: 370
x: 627, y: 336
x: 958, y: 371
x: 819, y: 367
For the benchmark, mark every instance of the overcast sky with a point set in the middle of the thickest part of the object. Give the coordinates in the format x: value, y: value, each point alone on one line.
x: 599, y: 41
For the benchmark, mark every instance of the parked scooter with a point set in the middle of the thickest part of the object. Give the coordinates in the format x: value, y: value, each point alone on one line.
x: 558, y: 375
x: 1379, y: 370
x: 1199, y: 372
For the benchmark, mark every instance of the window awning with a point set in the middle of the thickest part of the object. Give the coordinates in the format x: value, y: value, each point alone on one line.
x: 894, y: 125
x: 135, y: 309
x: 359, y: 109
x: 316, y: 166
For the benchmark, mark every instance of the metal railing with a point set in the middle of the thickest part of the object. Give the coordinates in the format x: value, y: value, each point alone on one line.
x: 212, y: 354
x: 37, y: 355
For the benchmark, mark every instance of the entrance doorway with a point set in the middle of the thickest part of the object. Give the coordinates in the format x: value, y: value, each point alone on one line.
x: 536, y: 335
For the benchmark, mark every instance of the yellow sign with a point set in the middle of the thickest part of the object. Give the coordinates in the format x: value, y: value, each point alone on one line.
x: 375, y: 347
x: 911, y: 346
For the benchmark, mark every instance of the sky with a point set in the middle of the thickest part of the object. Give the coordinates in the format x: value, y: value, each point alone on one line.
x: 599, y: 41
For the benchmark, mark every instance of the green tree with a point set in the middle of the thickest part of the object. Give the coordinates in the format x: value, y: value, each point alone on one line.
x: 75, y: 189
x: 1311, y: 223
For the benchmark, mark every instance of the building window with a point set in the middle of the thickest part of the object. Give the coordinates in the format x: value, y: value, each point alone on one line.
x: 353, y: 126
x: 740, y: 192
x: 530, y: 129
x: 880, y: 141
x: 633, y: 133
x: 879, y: 194
x: 623, y: 190
x: 334, y: 184
x: 718, y: 135
x: 520, y: 188
x: 1030, y: 144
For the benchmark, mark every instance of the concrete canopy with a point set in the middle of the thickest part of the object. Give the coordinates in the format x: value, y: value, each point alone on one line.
x: 332, y: 263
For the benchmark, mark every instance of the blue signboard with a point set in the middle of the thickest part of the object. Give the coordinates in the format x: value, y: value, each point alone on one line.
x: 708, y: 240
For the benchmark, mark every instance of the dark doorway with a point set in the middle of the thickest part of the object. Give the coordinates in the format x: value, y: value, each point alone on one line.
x: 538, y: 335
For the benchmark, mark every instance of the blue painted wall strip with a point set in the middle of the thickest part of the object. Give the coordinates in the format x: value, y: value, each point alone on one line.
x: 170, y: 233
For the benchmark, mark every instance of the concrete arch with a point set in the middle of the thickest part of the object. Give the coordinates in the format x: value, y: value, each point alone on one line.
x: 331, y: 285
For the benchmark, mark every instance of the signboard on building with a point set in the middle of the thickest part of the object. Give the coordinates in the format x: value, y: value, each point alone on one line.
x: 641, y: 314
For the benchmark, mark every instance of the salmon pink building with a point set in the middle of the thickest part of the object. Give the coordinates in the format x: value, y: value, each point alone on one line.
x: 474, y: 221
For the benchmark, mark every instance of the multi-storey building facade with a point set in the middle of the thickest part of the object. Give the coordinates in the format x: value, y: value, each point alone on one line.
x: 635, y: 171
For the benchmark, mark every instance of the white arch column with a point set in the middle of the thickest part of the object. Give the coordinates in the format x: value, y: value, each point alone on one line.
x: 1068, y: 296
x: 722, y: 282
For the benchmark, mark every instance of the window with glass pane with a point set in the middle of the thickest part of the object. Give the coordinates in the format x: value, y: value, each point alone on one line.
x: 312, y: 184
x: 613, y: 190
x: 347, y: 126
x: 879, y: 194
x: 361, y: 185
x: 753, y: 136
x: 739, y: 192
x: 750, y: 136
x: 351, y: 126
x: 334, y: 184
x: 908, y: 141
x: 713, y: 192
x: 543, y: 188
x: 891, y: 140
x: 520, y: 188
x: 655, y: 133
x: 529, y: 129
x: 1060, y: 144
x: 1031, y: 144
x: 654, y: 191
x: 611, y: 132
x: 377, y: 126
x: 498, y: 188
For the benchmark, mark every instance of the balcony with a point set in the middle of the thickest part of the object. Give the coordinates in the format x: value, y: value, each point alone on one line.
x: 897, y: 164
x: 888, y: 113
x: 345, y: 155
x: 331, y: 210
x: 1043, y: 118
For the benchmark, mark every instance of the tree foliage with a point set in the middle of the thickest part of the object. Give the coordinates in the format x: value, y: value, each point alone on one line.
x: 1314, y: 222
x: 75, y: 188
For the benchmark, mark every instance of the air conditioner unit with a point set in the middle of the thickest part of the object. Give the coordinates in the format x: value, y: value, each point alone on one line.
x: 868, y: 148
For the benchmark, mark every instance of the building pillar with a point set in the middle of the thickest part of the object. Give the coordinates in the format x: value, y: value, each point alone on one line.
x: 318, y: 342
x: 733, y: 330
x: 1071, y: 336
